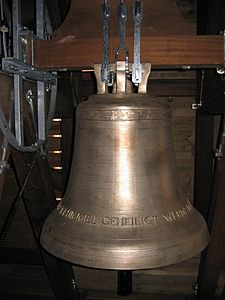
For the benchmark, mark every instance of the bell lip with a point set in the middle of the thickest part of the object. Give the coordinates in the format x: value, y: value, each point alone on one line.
x: 150, y: 263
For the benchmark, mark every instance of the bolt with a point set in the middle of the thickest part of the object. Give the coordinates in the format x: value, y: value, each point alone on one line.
x: 24, y: 41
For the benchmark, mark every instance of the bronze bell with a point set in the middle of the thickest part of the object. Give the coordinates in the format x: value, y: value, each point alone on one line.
x: 124, y: 208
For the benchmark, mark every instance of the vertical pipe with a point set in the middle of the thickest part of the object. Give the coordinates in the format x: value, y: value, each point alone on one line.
x: 124, y: 283
x: 41, y: 106
x: 18, y: 107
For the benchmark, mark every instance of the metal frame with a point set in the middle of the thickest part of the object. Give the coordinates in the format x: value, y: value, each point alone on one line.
x: 22, y: 67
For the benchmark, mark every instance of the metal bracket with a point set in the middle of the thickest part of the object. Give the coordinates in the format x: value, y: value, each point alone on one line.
x: 4, y: 165
x: 221, y: 70
x: 121, y: 77
x: 21, y: 65
x: 123, y: 83
x: 15, y: 66
x: 196, y: 106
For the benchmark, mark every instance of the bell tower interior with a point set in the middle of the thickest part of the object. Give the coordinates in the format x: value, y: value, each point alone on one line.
x: 112, y: 149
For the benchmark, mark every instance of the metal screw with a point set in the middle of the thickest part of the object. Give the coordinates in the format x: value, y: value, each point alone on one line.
x: 24, y: 41
x: 74, y: 285
x: 196, y: 288
x: 186, y: 68
x: 29, y: 96
x: 220, y: 70
x: 4, y: 165
x: 196, y: 106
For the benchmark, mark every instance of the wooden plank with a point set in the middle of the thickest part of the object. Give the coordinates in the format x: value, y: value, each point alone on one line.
x: 21, y: 296
x: 6, y: 85
x: 213, y: 257
x: 210, y: 20
x: 165, y: 87
x: 160, y: 51
x: 20, y: 256
x: 203, y: 162
x: 172, y: 74
x: 175, y: 279
x: 100, y: 295
x: 159, y: 17
x: 64, y: 100
x: 68, y: 131
x: 155, y: 75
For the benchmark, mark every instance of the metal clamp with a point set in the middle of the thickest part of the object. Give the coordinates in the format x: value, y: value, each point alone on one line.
x: 17, y: 67
x: 196, y: 106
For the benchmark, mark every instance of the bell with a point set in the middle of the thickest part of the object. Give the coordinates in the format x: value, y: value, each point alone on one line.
x: 124, y: 208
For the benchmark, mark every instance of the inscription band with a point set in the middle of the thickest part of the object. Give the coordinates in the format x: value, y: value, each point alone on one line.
x: 132, y: 221
x: 123, y: 115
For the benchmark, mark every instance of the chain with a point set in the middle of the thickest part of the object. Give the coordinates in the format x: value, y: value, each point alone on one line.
x: 105, y: 69
x: 122, y: 12
x: 137, y: 66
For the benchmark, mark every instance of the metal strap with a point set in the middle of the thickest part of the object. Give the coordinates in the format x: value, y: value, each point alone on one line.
x: 122, y: 12
x: 105, y: 68
x: 137, y: 66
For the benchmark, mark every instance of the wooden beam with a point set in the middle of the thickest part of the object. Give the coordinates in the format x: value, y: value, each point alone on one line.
x: 20, y: 256
x: 160, y: 51
x: 203, y: 162
x: 101, y: 295
x: 213, y: 258
x: 6, y: 85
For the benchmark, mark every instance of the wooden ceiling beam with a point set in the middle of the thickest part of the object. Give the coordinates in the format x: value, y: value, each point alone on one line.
x: 168, y: 40
x: 161, y: 51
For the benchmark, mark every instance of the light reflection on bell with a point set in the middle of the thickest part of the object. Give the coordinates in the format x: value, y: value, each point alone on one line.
x: 123, y: 208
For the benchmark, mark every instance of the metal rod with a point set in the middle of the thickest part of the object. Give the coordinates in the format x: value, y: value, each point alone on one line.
x: 40, y: 16
x: 41, y: 105
x: 41, y: 111
x: 16, y: 5
x: 18, y: 107
x: 124, y: 283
